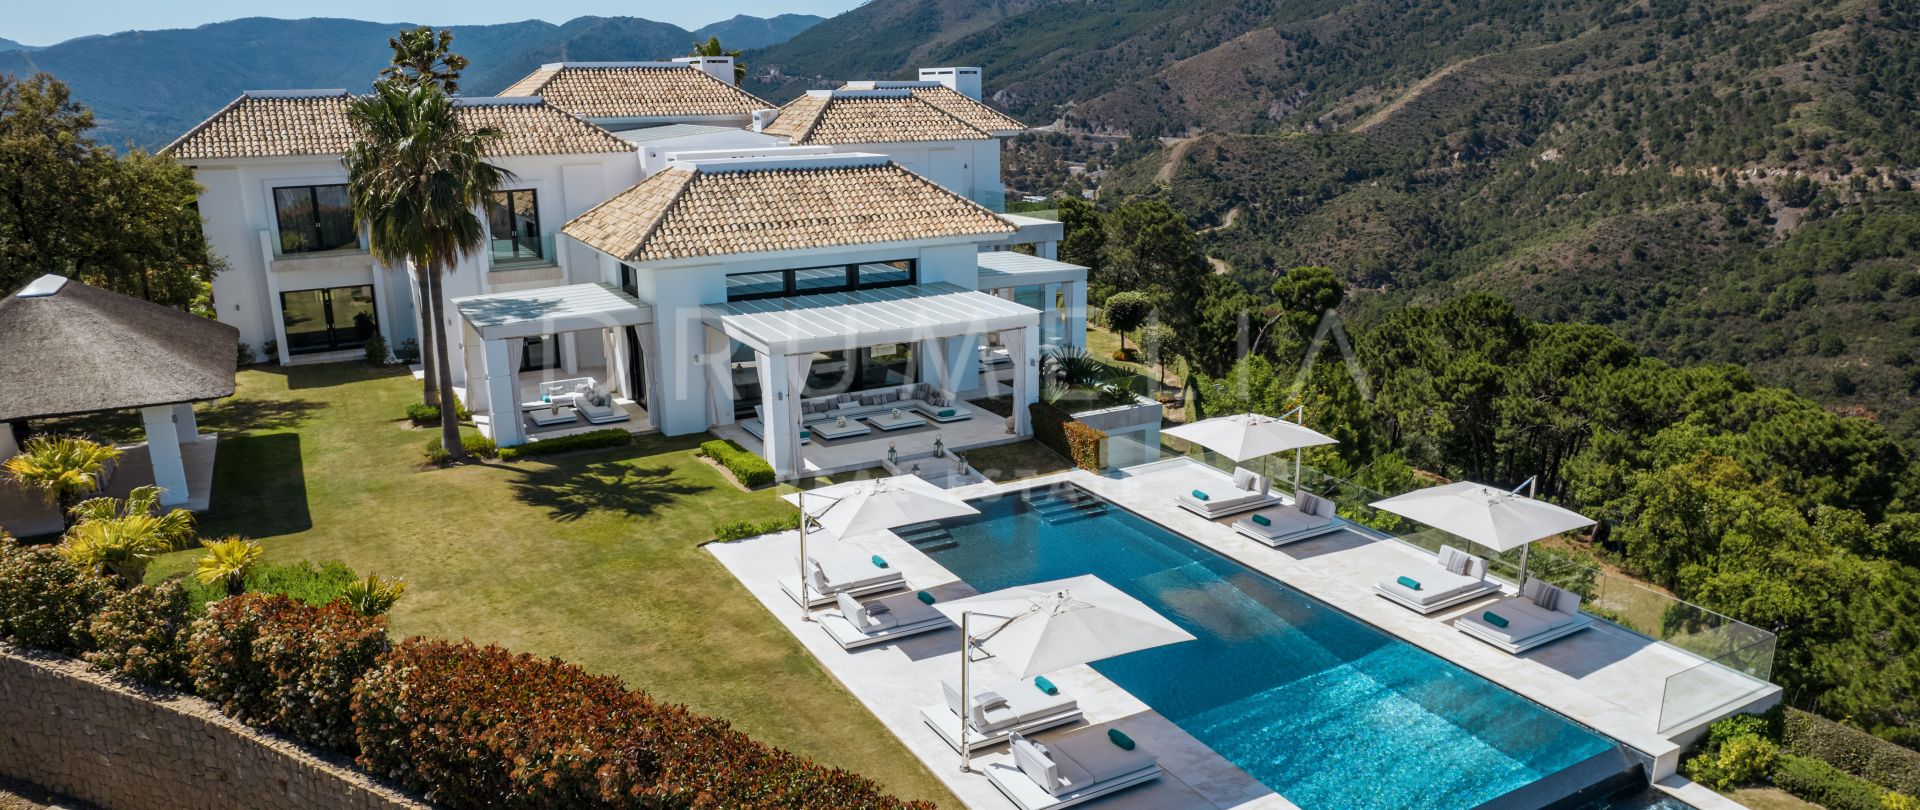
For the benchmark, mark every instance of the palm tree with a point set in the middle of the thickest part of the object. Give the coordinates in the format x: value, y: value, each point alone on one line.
x: 228, y: 561
x: 121, y: 538
x: 416, y: 178
x: 712, y: 48
x: 62, y: 468
x: 373, y: 596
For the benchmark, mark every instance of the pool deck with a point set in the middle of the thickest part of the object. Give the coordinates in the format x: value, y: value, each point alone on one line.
x: 1606, y: 678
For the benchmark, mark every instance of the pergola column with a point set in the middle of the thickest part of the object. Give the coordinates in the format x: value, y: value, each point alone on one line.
x: 779, y: 430
x: 503, y: 394
x: 1023, y: 347
x: 186, y: 423
x: 1077, y: 313
x: 163, y: 450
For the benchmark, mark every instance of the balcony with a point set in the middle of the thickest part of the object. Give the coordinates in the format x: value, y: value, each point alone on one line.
x: 521, y: 253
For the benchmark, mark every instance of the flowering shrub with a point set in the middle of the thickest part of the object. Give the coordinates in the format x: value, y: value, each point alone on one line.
x: 45, y: 599
x: 142, y: 632
x: 274, y: 662
x: 469, y: 726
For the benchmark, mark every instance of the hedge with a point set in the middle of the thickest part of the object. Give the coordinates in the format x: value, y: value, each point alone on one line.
x: 743, y: 529
x: 593, y: 440
x: 273, y: 662
x: 476, y: 445
x: 425, y: 415
x: 1825, y: 785
x: 752, y: 471
x: 141, y: 633
x: 45, y: 600
x: 1061, y: 433
x: 1852, y: 750
x: 475, y: 726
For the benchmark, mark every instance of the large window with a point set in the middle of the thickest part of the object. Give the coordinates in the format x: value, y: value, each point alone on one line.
x: 314, y: 218
x: 514, y: 219
x: 829, y: 373
x: 817, y: 280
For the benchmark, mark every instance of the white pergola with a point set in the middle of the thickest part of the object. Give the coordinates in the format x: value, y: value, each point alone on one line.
x: 943, y: 320
x: 494, y: 328
x: 1003, y: 271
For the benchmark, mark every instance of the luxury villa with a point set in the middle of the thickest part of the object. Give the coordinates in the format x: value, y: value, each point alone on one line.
x: 674, y: 254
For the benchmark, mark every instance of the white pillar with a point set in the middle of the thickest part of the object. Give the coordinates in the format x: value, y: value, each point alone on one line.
x: 273, y: 300
x: 718, y: 358
x: 1023, y: 345
x: 776, y: 419
x: 1077, y: 313
x: 9, y: 445
x: 163, y: 447
x: 569, y: 353
x: 503, y: 401
x: 1047, y: 250
x: 185, y: 422
x: 613, y: 346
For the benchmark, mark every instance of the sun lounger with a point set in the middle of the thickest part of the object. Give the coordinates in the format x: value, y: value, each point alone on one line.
x: 861, y: 624
x: 999, y: 712
x: 835, y: 573
x: 1310, y: 516
x: 1541, y: 613
x: 1072, y: 769
x: 1455, y: 577
x: 548, y: 417
x: 951, y: 412
x: 1219, y: 498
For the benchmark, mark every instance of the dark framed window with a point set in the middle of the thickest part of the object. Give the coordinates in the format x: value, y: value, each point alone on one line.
x: 818, y: 280
x: 514, y: 219
x: 328, y: 319
x: 314, y: 218
x: 630, y: 280
x: 540, y: 353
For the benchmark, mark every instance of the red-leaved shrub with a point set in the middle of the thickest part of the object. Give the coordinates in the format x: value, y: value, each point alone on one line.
x: 472, y: 726
x: 277, y: 663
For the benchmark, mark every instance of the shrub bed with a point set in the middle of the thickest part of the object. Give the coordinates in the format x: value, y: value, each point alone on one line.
x: 424, y: 415
x: 1073, y: 440
x: 595, y: 440
x: 743, y: 529
x: 1825, y: 785
x: 301, y: 580
x: 142, y: 633
x: 273, y: 662
x: 1852, y: 750
x: 479, y: 726
x: 475, y: 444
x: 45, y: 600
x: 752, y: 471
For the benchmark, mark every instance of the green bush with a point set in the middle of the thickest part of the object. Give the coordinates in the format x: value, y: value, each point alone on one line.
x: 594, y: 440
x: 1825, y: 785
x: 424, y: 415
x: 45, y: 600
x: 273, y: 662
x: 743, y: 529
x: 1059, y: 432
x: 1896, y: 800
x: 376, y: 351
x: 479, y: 726
x: 1852, y: 750
x: 142, y: 633
x: 476, y: 445
x: 408, y: 351
x: 303, y: 581
x: 1743, y: 760
x: 751, y: 470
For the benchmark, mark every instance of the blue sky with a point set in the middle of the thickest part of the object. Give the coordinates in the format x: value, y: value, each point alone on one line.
x: 44, y: 23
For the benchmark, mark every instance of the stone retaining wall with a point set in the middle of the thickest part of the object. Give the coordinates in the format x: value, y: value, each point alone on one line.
x: 76, y: 732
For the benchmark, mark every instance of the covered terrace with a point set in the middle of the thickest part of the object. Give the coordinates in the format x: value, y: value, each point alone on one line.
x: 525, y: 379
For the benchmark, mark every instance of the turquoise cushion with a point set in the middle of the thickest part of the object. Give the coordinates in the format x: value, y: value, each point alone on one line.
x: 879, y: 561
x: 1202, y: 495
x: 806, y: 434
x: 1120, y: 738
x: 924, y: 597
x: 1262, y: 520
x: 946, y: 412
x: 1041, y: 683
x: 1411, y: 583
x: 1494, y: 619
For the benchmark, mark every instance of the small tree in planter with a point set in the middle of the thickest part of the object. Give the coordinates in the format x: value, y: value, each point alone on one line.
x: 1125, y: 312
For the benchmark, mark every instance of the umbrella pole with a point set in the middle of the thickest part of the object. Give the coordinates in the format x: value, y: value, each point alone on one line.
x: 966, y: 692
x: 1533, y: 490
x: 806, y: 613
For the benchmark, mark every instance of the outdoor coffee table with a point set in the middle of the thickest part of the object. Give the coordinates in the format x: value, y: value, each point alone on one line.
x: 896, y: 421
x: 832, y: 429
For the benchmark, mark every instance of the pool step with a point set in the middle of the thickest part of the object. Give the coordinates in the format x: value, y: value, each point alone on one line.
x: 927, y: 537
x: 1065, y: 505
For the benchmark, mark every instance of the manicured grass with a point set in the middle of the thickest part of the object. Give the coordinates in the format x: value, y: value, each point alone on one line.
x: 1769, y: 798
x: 1012, y: 462
x: 593, y: 557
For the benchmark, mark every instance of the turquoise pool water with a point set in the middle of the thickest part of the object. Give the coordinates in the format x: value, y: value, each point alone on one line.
x: 1320, y: 707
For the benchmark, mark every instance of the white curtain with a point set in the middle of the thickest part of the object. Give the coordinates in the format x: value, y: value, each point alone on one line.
x: 797, y: 367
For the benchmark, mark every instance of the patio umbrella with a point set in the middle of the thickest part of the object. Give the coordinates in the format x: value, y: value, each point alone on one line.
x: 876, y: 504
x: 1251, y: 435
x: 1047, y: 626
x: 1499, y: 519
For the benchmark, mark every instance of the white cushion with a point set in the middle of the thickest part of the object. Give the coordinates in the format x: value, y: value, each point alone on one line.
x: 1243, y: 478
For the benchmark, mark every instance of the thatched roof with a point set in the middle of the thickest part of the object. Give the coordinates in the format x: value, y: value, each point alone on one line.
x: 67, y: 348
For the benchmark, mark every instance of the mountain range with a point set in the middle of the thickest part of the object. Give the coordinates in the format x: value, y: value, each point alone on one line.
x: 10, y: 45
x: 147, y: 87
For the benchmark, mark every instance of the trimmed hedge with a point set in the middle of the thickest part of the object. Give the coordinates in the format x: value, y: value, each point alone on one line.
x: 1825, y: 785
x: 46, y: 600
x: 475, y: 726
x: 1852, y: 750
x: 752, y: 471
x: 274, y: 662
x: 424, y: 415
x: 142, y: 633
x: 593, y: 440
x: 1061, y: 433
x: 743, y: 529
x: 476, y: 445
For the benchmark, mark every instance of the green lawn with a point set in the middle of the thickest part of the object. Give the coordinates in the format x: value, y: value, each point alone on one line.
x: 594, y: 558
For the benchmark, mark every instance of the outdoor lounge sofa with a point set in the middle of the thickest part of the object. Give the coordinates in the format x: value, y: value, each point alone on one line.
x: 1310, y: 516
x: 834, y: 572
x: 1073, y: 768
x: 861, y: 624
x: 1219, y: 497
x: 1541, y: 613
x: 823, y: 415
x: 999, y: 712
x: 1454, y: 577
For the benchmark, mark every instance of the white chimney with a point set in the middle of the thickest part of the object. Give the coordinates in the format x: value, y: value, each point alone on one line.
x: 761, y: 118
x: 965, y: 80
x: 719, y: 67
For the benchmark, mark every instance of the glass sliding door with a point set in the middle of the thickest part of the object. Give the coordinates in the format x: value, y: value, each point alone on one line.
x: 330, y: 319
x: 514, y: 219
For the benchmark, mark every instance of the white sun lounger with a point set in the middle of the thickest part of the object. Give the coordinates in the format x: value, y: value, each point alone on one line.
x: 1455, y: 577
x: 1542, y: 613
x: 837, y: 572
x: 1071, y: 769
x: 1245, y: 492
x: 861, y: 624
x: 999, y: 712
x: 1310, y: 516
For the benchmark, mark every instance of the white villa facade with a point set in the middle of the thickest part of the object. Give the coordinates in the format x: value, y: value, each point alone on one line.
x: 671, y: 251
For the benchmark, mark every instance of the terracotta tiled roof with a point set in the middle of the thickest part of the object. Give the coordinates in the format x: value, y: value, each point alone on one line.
x: 687, y: 212
x: 635, y: 90
x: 838, y: 117
x: 973, y: 112
x: 314, y: 123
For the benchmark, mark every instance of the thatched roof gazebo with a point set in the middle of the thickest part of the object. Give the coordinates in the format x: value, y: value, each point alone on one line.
x: 68, y: 349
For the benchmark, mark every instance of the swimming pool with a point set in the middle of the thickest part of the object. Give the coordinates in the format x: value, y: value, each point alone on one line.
x: 1320, y: 707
